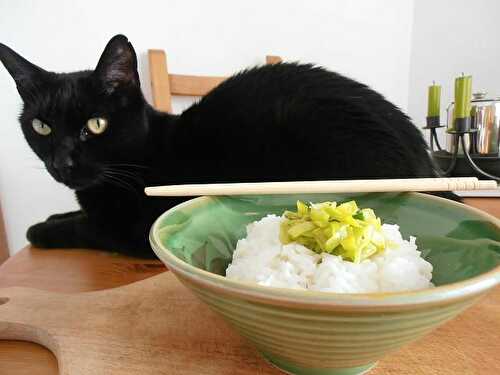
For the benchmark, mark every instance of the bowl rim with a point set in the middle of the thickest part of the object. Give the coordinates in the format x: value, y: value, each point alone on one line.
x: 450, y: 292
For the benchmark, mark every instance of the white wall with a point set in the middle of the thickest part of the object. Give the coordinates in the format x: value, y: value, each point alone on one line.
x: 451, y: 37
x: 364, y: 39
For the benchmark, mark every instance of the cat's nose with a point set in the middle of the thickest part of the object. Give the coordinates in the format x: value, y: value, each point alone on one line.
x: 69, y: 163
x: 64, y: 163
x: 64, y: 166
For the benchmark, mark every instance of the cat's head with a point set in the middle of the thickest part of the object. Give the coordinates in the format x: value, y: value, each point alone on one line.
x: 87, y: 124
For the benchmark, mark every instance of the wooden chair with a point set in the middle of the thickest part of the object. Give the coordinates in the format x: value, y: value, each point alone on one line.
x: 4, y: 249
x: 165, y: 84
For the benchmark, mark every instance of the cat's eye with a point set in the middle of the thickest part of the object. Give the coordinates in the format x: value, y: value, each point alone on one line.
x: 97, y: 125
x: 40, y: 127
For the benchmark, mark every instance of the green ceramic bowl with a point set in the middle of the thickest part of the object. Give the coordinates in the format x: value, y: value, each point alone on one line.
x: 305, y: 332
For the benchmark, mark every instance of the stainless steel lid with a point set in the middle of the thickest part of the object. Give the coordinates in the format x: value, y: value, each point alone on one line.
x: 482, y: 97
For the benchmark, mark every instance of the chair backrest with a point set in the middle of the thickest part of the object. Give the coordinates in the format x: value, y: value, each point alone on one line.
x: 164, y: 84
x: 4, y: 249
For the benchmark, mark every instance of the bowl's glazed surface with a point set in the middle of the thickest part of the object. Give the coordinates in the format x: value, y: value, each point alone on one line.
x: 306, y: 332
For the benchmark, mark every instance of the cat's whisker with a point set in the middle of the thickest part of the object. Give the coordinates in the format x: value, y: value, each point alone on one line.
x: 127, y: 175
x: 124, y: 172
x: 118, y: 183
x: 39, y: 168
x: 115, y: 180
x: 139, y: 166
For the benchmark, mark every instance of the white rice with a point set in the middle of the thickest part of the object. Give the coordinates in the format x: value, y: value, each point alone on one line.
x: 261, y: 258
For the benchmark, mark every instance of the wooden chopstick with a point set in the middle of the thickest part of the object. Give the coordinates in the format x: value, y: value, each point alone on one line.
x: 342, y: 186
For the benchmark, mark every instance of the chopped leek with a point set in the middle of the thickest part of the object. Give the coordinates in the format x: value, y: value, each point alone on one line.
x: 345, y: 230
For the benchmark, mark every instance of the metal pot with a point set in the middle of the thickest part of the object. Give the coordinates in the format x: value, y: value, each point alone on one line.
x: 485, y: 117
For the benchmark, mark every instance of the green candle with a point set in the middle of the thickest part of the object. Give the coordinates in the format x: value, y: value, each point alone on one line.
x: 434, y: 101
x: 463, y: 92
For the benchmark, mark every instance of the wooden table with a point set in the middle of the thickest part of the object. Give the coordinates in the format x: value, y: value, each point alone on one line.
x: 468, y: 345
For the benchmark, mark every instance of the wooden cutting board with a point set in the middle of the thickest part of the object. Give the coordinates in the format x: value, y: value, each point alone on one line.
x: 165, y: 330
x: 154, y: 326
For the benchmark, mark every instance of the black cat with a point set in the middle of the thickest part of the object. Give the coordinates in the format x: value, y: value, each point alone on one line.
x: 95, y: 133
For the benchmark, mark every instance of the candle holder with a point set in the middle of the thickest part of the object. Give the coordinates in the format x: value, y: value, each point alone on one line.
x: 433, y: 123
x: 451, y: 163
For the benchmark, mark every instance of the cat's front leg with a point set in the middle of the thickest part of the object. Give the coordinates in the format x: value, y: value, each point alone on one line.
x: 65, y: 215
x: 45, y: 234
x: 58, y: 231
x: 78, y: 231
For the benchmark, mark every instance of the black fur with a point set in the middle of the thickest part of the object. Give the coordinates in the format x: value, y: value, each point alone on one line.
x: 271, y: 123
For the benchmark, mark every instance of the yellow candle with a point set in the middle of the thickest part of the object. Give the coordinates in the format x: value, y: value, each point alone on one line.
x: 463, y: 93
x: 434, y: 101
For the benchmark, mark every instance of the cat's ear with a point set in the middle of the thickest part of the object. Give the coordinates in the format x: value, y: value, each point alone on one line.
x: 28, y: 77
x: 117, y: 67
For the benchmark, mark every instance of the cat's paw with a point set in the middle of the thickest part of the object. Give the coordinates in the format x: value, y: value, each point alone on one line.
x: 56, y: 217
x: 43, y: 235
x: 66, y: 215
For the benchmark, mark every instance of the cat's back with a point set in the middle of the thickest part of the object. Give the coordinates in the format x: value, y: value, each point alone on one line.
x: 290, y: 89
x: 267, y: 123
x: 283, y: 80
